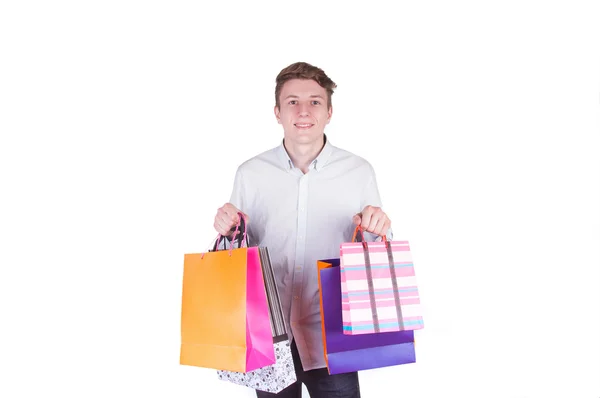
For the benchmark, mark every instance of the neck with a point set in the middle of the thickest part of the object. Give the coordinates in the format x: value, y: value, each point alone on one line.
x: 303, y: 155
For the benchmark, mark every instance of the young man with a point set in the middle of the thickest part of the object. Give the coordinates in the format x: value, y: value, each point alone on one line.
x: 302, y: 199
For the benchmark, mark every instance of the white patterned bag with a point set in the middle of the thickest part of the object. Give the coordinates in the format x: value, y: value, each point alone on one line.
x: 281, y: 374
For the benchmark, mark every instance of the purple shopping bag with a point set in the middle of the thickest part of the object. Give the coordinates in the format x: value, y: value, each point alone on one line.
x: 348, y: 353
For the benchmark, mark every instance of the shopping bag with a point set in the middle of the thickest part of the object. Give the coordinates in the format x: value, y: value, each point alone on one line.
x: 349, y: 353
x: 281, y: 374
x: 379, y: 288
x: 224, y: 312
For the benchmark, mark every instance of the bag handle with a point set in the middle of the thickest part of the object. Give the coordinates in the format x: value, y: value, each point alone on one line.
x: 240, y: 228
x: 243, y: 237
x: 369, y: 271
x: 362, y: 235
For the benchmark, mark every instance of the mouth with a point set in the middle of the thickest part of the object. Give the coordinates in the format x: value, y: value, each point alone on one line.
x: 303, y: 126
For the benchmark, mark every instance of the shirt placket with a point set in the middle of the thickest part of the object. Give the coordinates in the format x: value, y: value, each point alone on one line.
x: 299, y: 265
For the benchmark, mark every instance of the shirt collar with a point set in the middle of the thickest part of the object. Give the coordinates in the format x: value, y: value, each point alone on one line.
x: 320, y: 161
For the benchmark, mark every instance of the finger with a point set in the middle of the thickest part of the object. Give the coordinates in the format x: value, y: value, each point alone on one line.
x: 225, y: 222
x: 356, y: 220
x: 365, y: 219
x: 236, y: 219
x: 223, y: 227
x: 368, y: 210
x: 375, y: 218
x: 233, y: 216
x: 386, y: 227
x: 226, y: 216
x: 232, y: 212
x: 220, y: 228
x: 381, y: 228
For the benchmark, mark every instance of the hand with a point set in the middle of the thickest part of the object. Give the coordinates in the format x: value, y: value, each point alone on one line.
x: 373, y: 219
x: 227, y: 217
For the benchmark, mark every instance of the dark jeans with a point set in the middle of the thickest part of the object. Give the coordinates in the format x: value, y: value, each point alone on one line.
x: 319, y: 383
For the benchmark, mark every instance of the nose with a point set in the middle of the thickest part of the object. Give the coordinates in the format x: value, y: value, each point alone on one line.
x: 303, y: 110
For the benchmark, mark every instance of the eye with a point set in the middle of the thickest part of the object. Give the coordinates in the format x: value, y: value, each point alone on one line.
x: 315, y: 102
x: 293, y: 102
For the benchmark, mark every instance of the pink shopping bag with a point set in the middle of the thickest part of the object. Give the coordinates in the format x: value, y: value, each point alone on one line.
x: 379, y: 287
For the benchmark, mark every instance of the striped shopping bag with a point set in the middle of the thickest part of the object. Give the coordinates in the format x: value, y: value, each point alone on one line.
x: 379, y: 288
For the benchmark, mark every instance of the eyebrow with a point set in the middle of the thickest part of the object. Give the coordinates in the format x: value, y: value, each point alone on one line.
x: 310, y: 96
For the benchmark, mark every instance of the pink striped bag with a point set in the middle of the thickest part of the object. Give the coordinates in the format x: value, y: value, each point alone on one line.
x: 379, y: 288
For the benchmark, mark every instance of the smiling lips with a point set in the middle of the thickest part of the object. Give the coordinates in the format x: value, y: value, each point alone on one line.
x: 303, y: 126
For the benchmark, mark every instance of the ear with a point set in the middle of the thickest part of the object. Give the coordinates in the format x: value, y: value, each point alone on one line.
x: 329, y: 113
x: 277, y: 115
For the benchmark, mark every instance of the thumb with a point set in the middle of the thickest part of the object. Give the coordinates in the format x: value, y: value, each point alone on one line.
x: 357, y: 219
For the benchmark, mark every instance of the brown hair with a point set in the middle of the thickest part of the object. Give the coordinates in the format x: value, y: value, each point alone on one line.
x: 303, y: 70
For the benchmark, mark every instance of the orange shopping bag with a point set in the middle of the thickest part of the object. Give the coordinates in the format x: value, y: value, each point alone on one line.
x: 224, y: 314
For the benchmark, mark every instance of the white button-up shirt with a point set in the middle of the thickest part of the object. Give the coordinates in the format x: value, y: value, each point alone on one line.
x: 303, y: 218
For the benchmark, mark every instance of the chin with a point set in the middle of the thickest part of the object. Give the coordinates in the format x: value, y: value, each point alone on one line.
x: 306, y: 138
x: 310, y: 133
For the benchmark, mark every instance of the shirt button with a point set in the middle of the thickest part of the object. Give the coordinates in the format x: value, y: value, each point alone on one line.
x: 296, y: 297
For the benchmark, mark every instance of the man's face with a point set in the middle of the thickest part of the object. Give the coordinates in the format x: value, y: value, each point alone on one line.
x: 303, y: 111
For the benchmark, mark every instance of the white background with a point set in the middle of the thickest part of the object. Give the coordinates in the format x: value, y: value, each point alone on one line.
x: 122, y: 124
